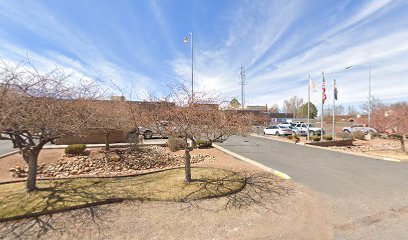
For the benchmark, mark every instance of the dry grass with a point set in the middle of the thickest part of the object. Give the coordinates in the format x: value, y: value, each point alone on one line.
x: 162, y: 186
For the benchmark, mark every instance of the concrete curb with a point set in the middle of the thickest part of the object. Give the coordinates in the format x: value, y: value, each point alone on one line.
x: 112, y: 145
x: 335, y: 150
x: 9, y: 154
x: 250, y: 161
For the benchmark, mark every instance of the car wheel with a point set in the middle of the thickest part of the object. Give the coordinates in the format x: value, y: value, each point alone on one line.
x: 312, y: 133
x: 347, y: 131
x: 276, y: 133
x: 148, y: 135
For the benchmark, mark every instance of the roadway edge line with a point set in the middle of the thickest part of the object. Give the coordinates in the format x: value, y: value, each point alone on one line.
x: 9, y: 154
x: 334, y: 150
x: 250, y: 161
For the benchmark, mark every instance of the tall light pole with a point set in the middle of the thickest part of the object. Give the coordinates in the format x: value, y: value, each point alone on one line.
x: 192, y: 64
x: 369, y: 94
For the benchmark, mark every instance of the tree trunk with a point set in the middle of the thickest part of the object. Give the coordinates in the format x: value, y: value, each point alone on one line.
x: 107, y: 147
x: 32, y: 157
x: 403, y: 140
x: 187, y: 163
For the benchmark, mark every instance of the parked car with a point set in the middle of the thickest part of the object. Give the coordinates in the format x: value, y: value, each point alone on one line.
x: 359, y: 127
x: 295, y: 123
x: 155, y: 131
x: 285, y: 124
x: 298, y: 131
x: 312, y: 129
x: 278, y: 131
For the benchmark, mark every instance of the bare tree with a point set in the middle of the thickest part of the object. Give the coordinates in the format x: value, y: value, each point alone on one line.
x: 293, y: 105
x: 108, y: 117
x: 199, y: 120
x: 274, y: 108
x: 375, y: 104
x: 392, y: 120
x: 351, y: 110
x: 37, y: 108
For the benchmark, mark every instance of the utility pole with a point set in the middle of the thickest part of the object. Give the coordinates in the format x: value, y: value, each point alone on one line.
x: 308, y: 108
x: 334, y: 110
x: 242, y: 83
x: 369, y: 96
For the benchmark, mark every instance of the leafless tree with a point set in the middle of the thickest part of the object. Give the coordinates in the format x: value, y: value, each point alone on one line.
x: 200, y: 119
x: 375, y: 104
x: 108, y: 117
x: 393, y: 120
x: 351, y: 110
x: 37, y: 108
x: 293, y: 105
x: 274, y: 108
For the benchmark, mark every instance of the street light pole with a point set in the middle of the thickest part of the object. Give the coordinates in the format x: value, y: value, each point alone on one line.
x: 369, y: 96
x: 192, y: 65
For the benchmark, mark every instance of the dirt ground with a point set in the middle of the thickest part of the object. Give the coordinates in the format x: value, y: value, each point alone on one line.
x: 46, y: 156
x: 268, y: 208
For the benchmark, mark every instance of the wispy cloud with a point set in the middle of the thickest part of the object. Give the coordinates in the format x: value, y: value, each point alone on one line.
x: 280, y: 43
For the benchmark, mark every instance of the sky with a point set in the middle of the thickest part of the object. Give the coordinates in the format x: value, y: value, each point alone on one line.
x: 139, y: 45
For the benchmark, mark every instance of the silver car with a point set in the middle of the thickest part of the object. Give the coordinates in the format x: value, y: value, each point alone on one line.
x: 359, y: 127
x: 298, y: 131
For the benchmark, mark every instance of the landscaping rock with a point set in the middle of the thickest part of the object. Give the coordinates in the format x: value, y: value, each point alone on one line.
x: 114, y: 162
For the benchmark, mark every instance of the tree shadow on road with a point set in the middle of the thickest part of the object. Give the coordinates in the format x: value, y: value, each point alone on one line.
x: 261, y: 189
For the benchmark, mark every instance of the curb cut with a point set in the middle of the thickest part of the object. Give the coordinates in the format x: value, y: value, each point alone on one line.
x: 275, y: 172
x: 9, y: 154
x: 335, y: 150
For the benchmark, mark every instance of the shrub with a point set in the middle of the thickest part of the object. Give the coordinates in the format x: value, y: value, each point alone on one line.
x: 375, y: 134
x: 345, y: 135
x: 75, y: 149
x: 175, y: 144
x: 359, y: 135
x: 203, y: 144
x: 328, y: 138
x: 315, y: 138
x: 290, y: 136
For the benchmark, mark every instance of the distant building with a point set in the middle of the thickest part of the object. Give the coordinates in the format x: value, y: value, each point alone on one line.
x: 118, y: 98
x: 256, y: 108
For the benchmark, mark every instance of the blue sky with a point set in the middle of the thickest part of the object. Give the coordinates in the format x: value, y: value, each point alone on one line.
x: 280, y: 43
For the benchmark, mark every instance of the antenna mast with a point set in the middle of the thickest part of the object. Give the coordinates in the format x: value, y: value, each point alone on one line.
x: 242, y: 83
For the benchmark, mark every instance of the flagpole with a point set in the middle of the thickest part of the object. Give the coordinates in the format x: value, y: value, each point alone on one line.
x: 308, y: 108
x: 334, y: 103
x: 321, y: 120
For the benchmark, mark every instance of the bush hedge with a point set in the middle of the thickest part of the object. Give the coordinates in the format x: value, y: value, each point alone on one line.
x: 75, y: 149
x: 359, y: 135
x: 328, y: 138
x: 203, y: 144
x: 345, y: 135
x: 315, y: 138
x: 176, y: 144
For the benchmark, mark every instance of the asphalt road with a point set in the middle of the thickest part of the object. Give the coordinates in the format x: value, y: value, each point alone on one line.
x: 366, y: 198
x: 6, y: 146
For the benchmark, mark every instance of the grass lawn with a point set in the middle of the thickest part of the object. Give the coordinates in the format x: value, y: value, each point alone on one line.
x: 168, y: 185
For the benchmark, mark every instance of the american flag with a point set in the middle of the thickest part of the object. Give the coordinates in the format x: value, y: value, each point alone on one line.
x: 323, y: 89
